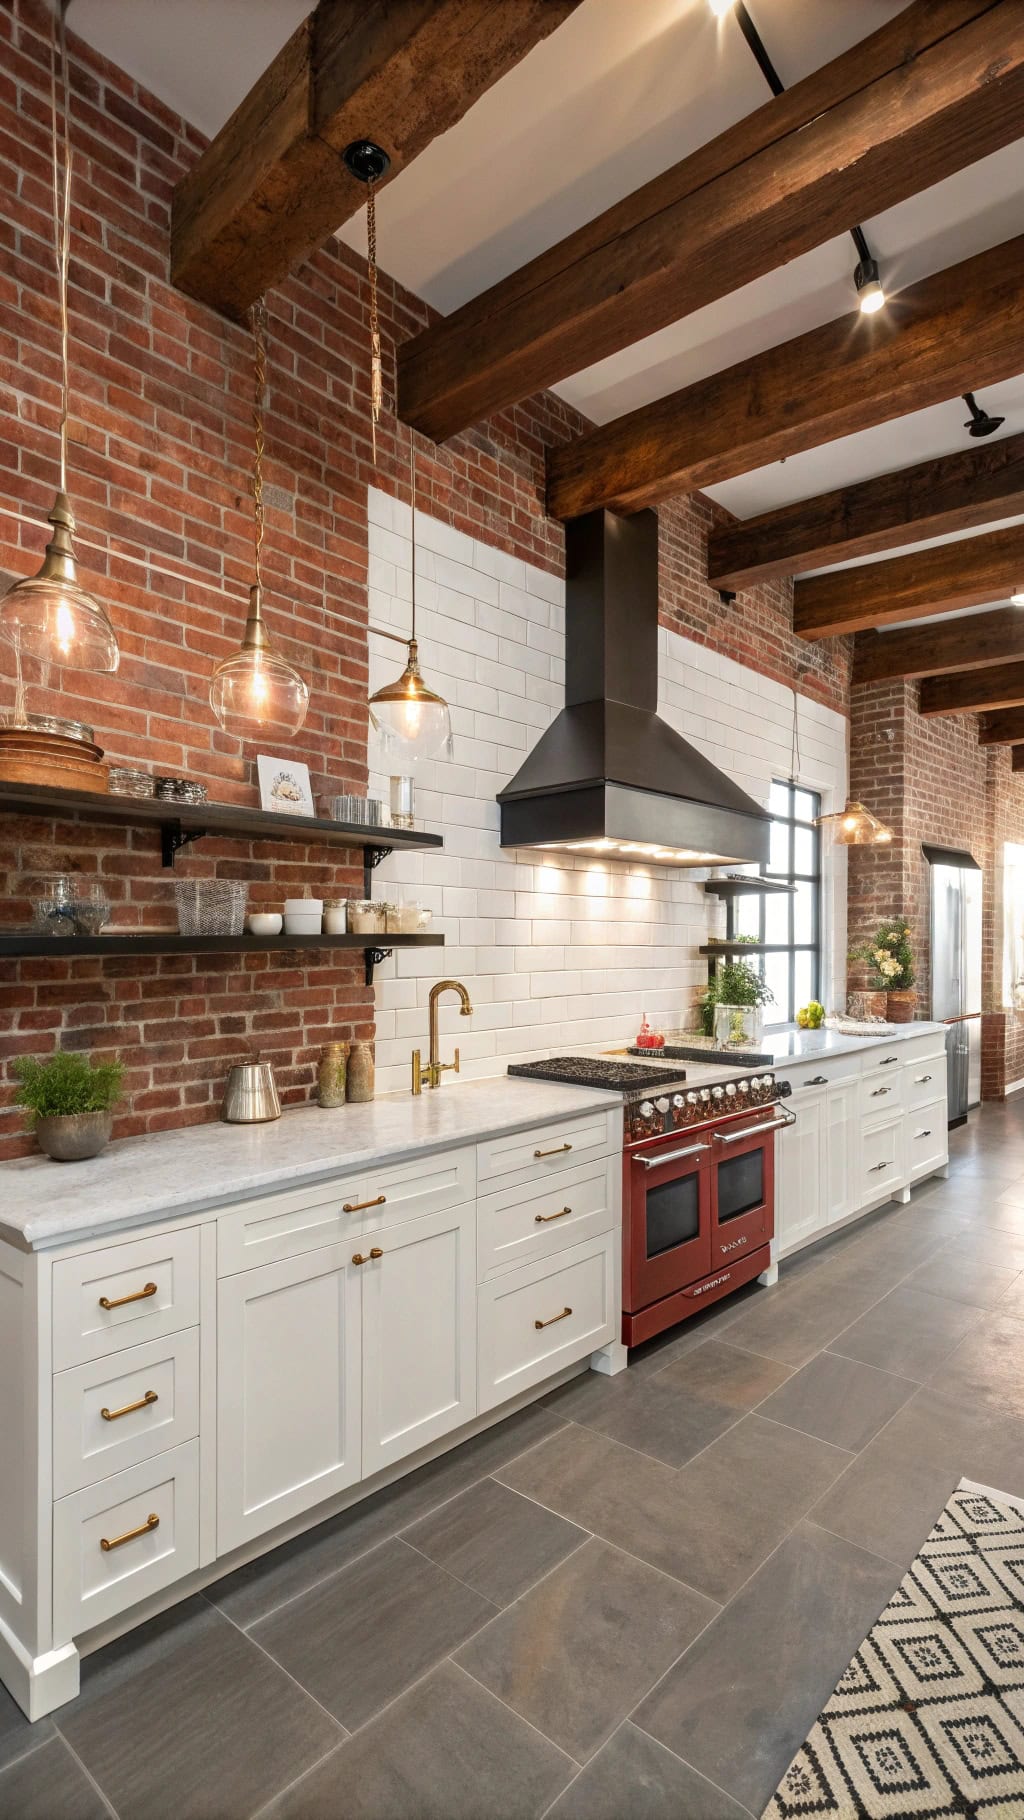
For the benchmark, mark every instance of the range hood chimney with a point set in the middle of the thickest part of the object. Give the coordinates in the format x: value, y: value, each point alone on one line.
x: 609, y: 777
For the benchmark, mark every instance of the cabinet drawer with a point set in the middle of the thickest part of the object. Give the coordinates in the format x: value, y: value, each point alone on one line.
x: 536, y: 1154
x: 826, y: 1073
x: 927, y: 1138
x: 881, y: 1159
x: 429, y: 1184
x: 116, y: 1411
x: 881, y: 1092
x: 929, y: 1048
x: 924, y: 1082
x: 534, y: 1321
x: 285, y: 1225
x: 518, y: 1224
x: 92, y: 1583
x: 106, y: 1300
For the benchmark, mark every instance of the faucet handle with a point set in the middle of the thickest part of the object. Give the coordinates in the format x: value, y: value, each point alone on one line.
x: 449, y: 1067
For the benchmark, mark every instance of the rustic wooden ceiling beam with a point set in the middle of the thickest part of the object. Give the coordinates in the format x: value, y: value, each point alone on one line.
x: 271, y: 187
x: 1017, y: 761
x: 1004, y: 728
x: 959, y: 329
x: 966, y: 643
x: 933, y: 90
x: 974, y: 692
x: 974, y: 486
x: 941, y: 579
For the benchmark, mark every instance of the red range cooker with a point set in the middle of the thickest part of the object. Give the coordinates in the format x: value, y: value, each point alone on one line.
x: 698, y: 1182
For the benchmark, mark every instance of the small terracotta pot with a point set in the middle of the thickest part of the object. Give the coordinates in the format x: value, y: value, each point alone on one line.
x: 900, y: 1006
x: 873, y: 1004
x: 74, y: 1136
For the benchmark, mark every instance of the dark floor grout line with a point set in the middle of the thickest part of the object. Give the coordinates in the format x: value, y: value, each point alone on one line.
x: 87, y: 1773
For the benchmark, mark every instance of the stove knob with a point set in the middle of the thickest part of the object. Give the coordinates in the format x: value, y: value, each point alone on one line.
x: 730, y: 1090
x: 691, y: 1099
x: 717, y: 1094
x: 705, y: 1097
x: 662, y: 1105
x: 646, y: 1109
x: 678, y: 1101
x: 744, y: 1086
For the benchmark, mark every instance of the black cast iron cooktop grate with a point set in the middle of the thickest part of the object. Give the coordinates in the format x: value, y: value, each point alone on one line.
x: 594, y: 1071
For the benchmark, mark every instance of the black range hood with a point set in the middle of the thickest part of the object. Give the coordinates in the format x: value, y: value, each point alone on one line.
x: 609, y: 776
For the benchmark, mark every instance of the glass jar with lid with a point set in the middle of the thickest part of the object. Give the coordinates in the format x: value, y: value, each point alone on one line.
x: 366, y: 917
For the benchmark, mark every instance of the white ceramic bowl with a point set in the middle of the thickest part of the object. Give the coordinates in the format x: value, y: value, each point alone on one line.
x: 265, y: 922
x: 303, y: 906
x: 302, y: 922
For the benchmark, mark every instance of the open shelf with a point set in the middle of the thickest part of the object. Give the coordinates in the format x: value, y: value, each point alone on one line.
x: 157, y: 941
x: 744, y: 948
x: 747, y: 887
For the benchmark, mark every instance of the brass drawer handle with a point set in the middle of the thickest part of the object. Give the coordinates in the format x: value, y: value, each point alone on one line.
x: 876, y: 1166
x: 357, y: 1206
x: 375, y: 1252
x: 920, y: 1079
x: 152, y: 1522
x: 889, y: 1060
x: 564, y: 1316
x: 876, y: 1092
x: 140, y: 1295
x: 541, y: 1219
x: 111, y: 1415
x: 556, y: 1152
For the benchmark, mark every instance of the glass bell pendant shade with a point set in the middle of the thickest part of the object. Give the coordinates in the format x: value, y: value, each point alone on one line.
x: 255, y: 689
x: 50, y: 616
x: 412, y: 721
x: 855, y: 826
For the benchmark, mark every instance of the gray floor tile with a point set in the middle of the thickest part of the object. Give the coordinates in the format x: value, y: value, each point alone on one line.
x: 839, y: 1400
x: 657, y: 1416
x: 495, y: 1541
x: 1012, y: 1303
x: 447, y: 1750
x: 888, y: 1499
x: 981, y: 1244
x: 581, y: 1649
x: 909, y: 1332
x: 49, y: 1785
x: 16, y: 1734
x: 185, y: 1717
x: 632, y: 1775
x: 260, y: 1587
x: 368, y: 1633
x: 739, y: 1380
x: 791, y: 1325
x: 745, y: 1695
x: 986, y: 1368
x: 656, y: 1353
x: 959, y: 1280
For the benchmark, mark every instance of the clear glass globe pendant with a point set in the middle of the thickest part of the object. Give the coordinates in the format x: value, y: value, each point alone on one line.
x: 254, y: 688
x: 411, y: 720
x: 49, y: 615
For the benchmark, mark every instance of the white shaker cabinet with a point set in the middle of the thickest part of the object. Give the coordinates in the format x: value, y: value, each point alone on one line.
x: 842, y: 1143
x: 801, y: 1167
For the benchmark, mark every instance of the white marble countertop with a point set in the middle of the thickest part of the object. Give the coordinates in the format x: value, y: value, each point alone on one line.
x: 794, y: 1044
x: 173, y: 1173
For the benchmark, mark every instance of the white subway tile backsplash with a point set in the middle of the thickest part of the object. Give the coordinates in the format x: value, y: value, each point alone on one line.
x: 558, y: 950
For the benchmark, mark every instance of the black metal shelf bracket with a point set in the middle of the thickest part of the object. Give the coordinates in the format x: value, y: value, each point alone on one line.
x: 173, y: 837
x: 372, y: 857
x: 373, y: 957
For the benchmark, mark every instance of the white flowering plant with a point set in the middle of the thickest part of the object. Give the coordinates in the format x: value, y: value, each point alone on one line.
x: 890, y: 955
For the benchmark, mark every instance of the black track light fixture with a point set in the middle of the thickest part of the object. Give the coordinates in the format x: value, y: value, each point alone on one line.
x: 980, y: 423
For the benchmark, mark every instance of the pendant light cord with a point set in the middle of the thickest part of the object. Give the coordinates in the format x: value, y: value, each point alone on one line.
x: 794, y: 748
x: 60, y: 141
x: 259, y: 337
x: 412, y: 521
x: 376, y: 364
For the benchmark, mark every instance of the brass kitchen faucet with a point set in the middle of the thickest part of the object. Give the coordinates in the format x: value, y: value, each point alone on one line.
x: 431, y: 1074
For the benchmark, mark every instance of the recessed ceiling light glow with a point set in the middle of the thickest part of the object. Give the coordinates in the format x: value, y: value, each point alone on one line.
x: 870, y: 295
x: 721, y: 7
x: 1017, y: 597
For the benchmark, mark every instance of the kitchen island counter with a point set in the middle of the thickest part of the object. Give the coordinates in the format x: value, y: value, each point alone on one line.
x: 795, y: 1045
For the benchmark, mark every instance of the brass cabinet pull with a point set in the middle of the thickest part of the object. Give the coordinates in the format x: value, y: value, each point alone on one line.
x: 139, y: 1295
x: 152, y: 1522
x: 375, y: 1252
x: 541, y: 1219
x: 557, y: 1151
x: 888, y: 1062
x: 876, y: 1166
x: 357, y: 1206
x: 876, y: 1092
x: 920, y: 1079
x: 566, y: 1312
x: 111, y: 1415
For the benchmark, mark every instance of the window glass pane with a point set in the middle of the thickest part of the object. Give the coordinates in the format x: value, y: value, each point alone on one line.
x: 803, y: 913
x: 748, y: 916
x: 804, y: 844
x: 776, y: 918
x: 804, y: 970
x: 776, y: 969
x: 805, y: 805
x: 778, y: 860
x: 779, y: 800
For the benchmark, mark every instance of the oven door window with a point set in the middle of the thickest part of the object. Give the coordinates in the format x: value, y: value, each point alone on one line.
x: 672, y: 1213
x: 741, y: 1184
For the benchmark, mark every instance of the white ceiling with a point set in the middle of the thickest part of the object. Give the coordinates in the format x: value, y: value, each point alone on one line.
x: 620, y: 91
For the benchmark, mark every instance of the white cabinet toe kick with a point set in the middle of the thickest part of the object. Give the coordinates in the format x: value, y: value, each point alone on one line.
x: 869, y: 1127
x: 188, y: 1394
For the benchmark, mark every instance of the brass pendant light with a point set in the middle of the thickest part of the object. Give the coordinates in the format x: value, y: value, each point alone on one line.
x: 255, y: 689
x: 49, y: 615
x: 412, y: 720
x: 855, y: 826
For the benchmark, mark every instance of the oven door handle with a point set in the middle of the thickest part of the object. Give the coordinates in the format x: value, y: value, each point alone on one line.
x: 733, y: 1137
x: 671, y: 1156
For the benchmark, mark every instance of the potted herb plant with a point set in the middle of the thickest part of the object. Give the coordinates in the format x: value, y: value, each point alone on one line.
x: 70, y: 1102
x: 891, y: 959
x: 732, y: 1007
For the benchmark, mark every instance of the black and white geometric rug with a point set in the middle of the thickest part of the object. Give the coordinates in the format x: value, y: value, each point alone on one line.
x: 928, y: 1719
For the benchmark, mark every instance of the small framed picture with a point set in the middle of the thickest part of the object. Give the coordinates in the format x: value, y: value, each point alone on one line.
x: 284, y: 786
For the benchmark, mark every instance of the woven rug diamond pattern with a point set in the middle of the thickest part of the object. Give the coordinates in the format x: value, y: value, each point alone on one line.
x: 928, y: 1719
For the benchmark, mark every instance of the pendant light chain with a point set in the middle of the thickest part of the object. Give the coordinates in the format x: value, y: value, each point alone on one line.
x: 259, y: 335
x: 794, y: 749
x: 60, y: 143
x: 412, y: 522
x: 376, y: 365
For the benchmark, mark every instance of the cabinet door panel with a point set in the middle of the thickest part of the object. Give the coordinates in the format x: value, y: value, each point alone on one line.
x: 841, y: 1197
x: 287, y: 1390
x: 419, y: 1335
x: 801, y: 1173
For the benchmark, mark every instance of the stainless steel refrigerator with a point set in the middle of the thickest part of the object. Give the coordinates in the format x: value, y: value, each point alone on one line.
x: 956, y: 971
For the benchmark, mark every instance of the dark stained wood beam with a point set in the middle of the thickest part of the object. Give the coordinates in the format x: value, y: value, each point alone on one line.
x: 959, y: 644
x: 1004, y: 728
x: 974, y: 692
x: 941, y: 579
x: 930, y: 92
x: 959, y: 329
x: 271, y: 187
x: 1017, y: 761
x: 974, y: 486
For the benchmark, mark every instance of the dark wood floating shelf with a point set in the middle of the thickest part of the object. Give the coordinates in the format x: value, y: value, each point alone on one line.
x: 747, y: 887
x: 744, y: 948
x: 155, y: 941
x: 181, y: 823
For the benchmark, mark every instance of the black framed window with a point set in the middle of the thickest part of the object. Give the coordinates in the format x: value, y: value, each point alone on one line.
x: 788, y: 922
